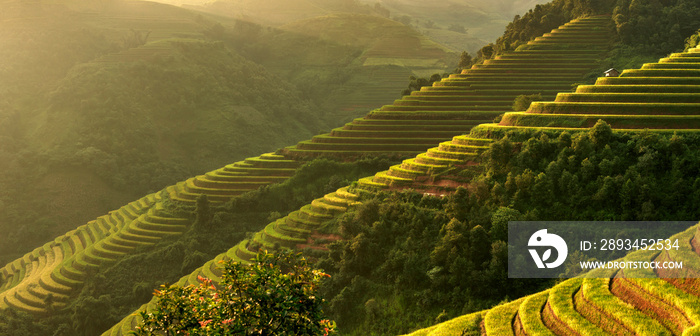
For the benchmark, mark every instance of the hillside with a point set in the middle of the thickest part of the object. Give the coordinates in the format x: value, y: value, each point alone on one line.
x: 105, y: 91
x: 292, y: 230
x: 92, y: 272
x: 626, y: 306
x: 483, y: 20
x: 125, y: 233
x: 457, y: 103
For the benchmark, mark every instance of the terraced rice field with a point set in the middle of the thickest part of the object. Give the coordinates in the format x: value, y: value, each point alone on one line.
x: 456, y: 104
x: 292, y: 231
x: 431, y: 116
x: 663, y: 95
x: 459, y: 152
x: 611, y: 303
x: 45, y: 278
x: 235, y: 179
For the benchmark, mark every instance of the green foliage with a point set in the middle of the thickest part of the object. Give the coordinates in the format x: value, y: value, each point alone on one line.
x: 692, y: 41
x: 500, y: 219
x: 522, y: 102
x: 203, y: 211
x: 88, y: 314
x: 656, y: 26
x: 417, y: 83
x: 465, y: 61
x: 600, y: 174
x: 403, y: 227
x: 450, y: 253
x: 542, y: 19
x: 21, y: 324
x: 275, y: 295
x: 647, y: 29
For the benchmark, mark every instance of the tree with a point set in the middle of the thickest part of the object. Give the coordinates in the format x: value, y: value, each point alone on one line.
x: 275, y: 295
x: 692, y: 41
x: 203, y: 213
x: 465, y: 60
x: 486, y: 52
x: 416, y: 84
x: 522, y: 102
x: 601, y: 133
x: 499, y: 222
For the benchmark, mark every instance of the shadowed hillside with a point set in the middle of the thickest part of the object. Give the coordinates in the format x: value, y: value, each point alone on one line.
x: 103, y: 89
x: 276, y: 12
x: 95, y: 94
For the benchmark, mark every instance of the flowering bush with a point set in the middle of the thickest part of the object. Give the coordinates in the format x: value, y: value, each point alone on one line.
x: 273, y: 296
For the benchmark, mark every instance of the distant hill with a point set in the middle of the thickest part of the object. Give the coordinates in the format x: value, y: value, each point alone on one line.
x: 347, y: 63
x: 383, y: 41
x: 280, y: 12
x: 482, y: 19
